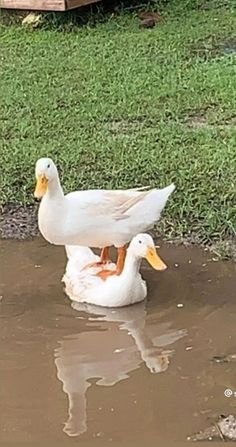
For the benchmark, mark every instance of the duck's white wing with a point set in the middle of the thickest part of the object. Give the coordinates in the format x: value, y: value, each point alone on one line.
x: 100, y: 218
x: 120, y: 204
x: 134, y: 205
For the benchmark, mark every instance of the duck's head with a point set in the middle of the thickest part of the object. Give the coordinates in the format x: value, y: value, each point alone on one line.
x: 45, y: 172
x: 142, y: 246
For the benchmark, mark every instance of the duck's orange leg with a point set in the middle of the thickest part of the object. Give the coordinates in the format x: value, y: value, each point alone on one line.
x: 121, y: 259
x: 104, y: 257
x: 104, y: 274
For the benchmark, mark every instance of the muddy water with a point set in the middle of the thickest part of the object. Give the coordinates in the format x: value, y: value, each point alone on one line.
x: 140, y: 373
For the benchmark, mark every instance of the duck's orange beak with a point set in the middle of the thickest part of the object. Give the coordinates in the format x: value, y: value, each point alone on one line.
x: 154, y: 260
x: 41, y: 187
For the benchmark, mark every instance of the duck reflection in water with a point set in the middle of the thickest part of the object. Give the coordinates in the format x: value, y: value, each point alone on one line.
x: 127, y: 341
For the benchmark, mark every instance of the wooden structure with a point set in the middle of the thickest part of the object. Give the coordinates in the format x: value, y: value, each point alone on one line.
x: 44, y: 5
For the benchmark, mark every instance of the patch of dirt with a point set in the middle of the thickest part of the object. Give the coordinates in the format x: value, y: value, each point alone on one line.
x: 206, y: 50
x: 149, y: 19
x: 18, y: 222
x: 130, y: 125
x: 212, y: 48
x: 200, y: 122
x: 198, y: 119
x: 121, y: 126
x: 222, y: 430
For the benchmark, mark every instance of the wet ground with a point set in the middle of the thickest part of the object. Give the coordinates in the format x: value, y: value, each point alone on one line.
x: 18, y: 222
x: 155, y: 371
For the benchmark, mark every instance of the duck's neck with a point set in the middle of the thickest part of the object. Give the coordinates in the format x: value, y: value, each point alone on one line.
x: 55, y: 190
x: 132, y: 265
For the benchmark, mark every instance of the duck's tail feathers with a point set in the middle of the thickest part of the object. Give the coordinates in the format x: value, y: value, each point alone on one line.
x: 161, y: 197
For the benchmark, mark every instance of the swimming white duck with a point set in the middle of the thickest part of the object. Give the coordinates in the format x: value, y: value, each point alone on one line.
x: 101, y: 286
x: 95, y: 218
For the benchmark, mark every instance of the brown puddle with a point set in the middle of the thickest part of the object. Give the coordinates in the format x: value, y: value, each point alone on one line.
x: 141, y: 373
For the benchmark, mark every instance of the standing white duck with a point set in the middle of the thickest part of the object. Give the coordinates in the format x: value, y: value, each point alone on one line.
x: 95, y: 218
x: 96, y: 285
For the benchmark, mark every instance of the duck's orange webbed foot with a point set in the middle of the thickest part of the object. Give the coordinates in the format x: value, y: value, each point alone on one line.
x: 104, y: 274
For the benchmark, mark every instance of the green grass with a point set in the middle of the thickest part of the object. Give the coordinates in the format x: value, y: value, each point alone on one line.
x: 118, y: 106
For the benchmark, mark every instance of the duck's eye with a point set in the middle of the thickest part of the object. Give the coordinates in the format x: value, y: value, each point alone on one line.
x: 48, y: 166
x: 140, y: 242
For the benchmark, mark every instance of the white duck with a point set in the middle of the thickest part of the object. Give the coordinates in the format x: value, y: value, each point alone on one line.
x: 102, y: 287
x: 95, y: 218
